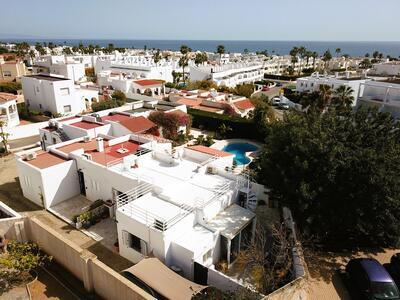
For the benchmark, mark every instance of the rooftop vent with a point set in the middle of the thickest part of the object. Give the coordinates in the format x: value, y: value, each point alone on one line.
x: 86, y: 139
x: 30, y: 156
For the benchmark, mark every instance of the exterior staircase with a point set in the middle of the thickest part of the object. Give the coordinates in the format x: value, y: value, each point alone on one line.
x: 244, y: 184
x: 62, y: 135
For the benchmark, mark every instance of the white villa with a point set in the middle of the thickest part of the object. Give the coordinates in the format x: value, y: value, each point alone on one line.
x: 57, y: 94
x: 8, y: 110
x: 312, y: 83
x: 139, y: 67
x: 390, y: 68
x: 229, y: 75
x: 184, y: 206
x: 60, y: 66
x: 131, y: 86
x: 384, y: 95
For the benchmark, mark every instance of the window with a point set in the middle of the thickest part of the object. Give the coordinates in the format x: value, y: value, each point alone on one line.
x: 7, y: 73
x: 54, y: 141
x: 40, y: 106
x: 64, y: 91
x: 67, y: 108
x: 37, y: 89
x: 45, y: 137
x: 134, y: 242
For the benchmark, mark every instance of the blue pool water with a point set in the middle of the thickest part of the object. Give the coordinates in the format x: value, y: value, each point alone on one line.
x: 240, y: 149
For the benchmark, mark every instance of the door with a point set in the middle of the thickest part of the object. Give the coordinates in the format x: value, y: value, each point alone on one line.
x: 82, y: 186
x: 200, y: 274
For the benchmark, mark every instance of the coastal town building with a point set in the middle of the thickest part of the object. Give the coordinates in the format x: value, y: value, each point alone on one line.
x: 229, y: 75
x: 384, y: 95
x: 57, y: 95
x: 391, y: 68
x: 313, y: 82
x: 11, y: 70
x: 8, y: 110
x: 213, y: 101
x: 183, y: 206
x: 131, y: 86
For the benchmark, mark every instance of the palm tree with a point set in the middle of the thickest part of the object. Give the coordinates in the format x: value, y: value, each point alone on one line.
x: 157, y: 56
x: 343, y: 97
x: 314, y: 56
x: 326, y: 58
x: 294, y: 53
x: 302, y: 53
x: 338, y: 51
x: 325, y: 95
x: 184, y: 60
x: 220, y: 51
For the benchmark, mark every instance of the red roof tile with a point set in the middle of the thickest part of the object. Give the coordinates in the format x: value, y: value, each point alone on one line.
x: 45, y: 160
x: 4, y: 97
x: 116, y: 117
x: 244, y: 104
x: 86, y: 125
x: 210, y: 151
x: 149, y: 82
x: 137, y: 124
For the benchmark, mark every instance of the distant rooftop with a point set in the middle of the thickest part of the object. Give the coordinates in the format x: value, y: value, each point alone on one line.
x: 47, y: 77
x: 86, y: 125
x: 45, y: 160
x: 4, y: 97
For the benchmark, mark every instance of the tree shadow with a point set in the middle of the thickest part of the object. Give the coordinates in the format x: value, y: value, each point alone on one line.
x: 11, y: 195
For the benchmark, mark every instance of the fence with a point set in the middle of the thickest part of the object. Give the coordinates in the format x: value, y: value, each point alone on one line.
x: 96, y: 276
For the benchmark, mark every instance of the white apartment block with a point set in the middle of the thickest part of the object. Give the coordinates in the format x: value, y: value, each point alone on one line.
x: 229, y: 75
x: 184, y: 206
x: 56, y: 94
x: 60, y: 66
x: 312, y: 83
x: 8, y: 110
x: 139, y: 67
x: 384, y: 95
x: 391, y: 68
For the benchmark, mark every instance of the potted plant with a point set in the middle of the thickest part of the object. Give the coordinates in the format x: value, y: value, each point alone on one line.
x: 78, y: 223
x: 85, y: 219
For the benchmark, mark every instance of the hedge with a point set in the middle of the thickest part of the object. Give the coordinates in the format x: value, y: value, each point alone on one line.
x: 281, y: 77
x: 241, y: 128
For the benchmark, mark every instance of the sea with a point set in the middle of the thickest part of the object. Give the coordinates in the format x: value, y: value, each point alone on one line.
x: 273, y: 47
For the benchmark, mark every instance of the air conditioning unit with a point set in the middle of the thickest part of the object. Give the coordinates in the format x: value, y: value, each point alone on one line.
x: 30, y: 156
x: 87, y: 139
x: 87, y: 156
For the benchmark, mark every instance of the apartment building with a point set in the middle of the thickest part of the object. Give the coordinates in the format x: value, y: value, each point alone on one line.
x: 213, y: 101
x: 384, y: 95
x: 11, y: 70
x: 57, y: 95
x: 8, y: 110
x: 312, y: 83
x: 60, y: 66
x: 229, y: 75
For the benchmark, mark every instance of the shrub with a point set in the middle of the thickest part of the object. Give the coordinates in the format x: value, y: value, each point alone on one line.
x: 107, y: 104
x: 170, y: 122
x: 10, y: 87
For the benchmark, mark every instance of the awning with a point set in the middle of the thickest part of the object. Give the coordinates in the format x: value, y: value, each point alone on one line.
x: 163, y: 280
x: 231, y: 221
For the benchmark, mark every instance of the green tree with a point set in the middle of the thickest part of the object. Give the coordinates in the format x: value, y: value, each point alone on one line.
x: 4, y: 136
x: 200, y: 58
x: 224, y: 130
x: 184, y: 60
x: 220, y: 51
x: 343, y: 97
x: 338, y: 51
x: 157, y: 56
x: 365, y: 64
x: 294, y: 56
x: 245, y: 90
x: 339, y: 173
x: 327, y: 58
x: 67, y: 51
x: 119, y: 96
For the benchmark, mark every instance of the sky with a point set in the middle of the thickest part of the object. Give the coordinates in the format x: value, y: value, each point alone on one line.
x: 297, y: 20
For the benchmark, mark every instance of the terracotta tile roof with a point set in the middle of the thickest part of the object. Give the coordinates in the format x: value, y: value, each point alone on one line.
x: 138, y: 124
x: 116, y: 117
x: 149, y: 82
x: 86, y: 125
x: 4, y: 97
x: 211, y: 151
x: 244, y: 104
x: 190, y: 101
x: 45, y: 160
x: 110, y: 153
x: 208, y: 108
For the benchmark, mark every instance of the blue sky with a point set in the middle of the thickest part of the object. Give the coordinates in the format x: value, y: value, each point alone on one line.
x: 316, y: 20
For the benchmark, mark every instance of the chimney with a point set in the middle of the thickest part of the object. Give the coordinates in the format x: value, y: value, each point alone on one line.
x: 99, y: 144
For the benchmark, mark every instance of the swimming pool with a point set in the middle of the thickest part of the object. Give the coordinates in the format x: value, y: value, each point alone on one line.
x: 240, y: 149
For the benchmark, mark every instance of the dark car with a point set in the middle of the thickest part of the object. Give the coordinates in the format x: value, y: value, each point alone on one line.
x: 395, y: 267
x: 278, y: 84
x: 371, y: 280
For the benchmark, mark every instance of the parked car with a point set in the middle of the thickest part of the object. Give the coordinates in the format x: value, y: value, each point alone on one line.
x: 265, y: 89
x: 278, y: 84
x: 276, y: 101
x: 395, y: 266
x: 284, y: 105
x: 371, y: 280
